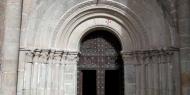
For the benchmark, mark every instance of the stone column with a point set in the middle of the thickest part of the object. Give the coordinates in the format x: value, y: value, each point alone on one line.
x: 25, y: 56
x: 10, y: 48
x: 47, y: 72
x: 70, y: 73
x: 176, y: 67
x: 152, y: 72
x: 184, y: 33
x: 130, y: 63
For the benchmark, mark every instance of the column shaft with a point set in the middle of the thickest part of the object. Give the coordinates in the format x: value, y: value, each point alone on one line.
x: 10, y: 48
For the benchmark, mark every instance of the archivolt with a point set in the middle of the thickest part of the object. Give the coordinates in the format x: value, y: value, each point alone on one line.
x: 77, y: 21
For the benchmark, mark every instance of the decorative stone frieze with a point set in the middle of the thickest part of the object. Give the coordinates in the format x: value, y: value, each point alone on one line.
x: 72, y: 57
x: 29, y: 56
x: 135, y: 57
x: 51, y: 56
x: 36, y: 56
x: 57, y: 57
x: 43, y: 56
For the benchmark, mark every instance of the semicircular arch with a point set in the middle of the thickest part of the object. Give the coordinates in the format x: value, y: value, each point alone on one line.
x: 124, y: 23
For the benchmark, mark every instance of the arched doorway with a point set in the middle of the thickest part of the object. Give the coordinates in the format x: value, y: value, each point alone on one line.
x: 100, y: 68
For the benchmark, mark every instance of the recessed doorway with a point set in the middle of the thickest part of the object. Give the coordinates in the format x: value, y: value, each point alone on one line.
x: 100, y: 68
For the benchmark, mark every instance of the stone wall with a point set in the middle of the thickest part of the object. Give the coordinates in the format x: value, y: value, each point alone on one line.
x: 40, y: 18
x: 184, y: 33
x: 10, y: 47
x: 2, y: 14
x: 157, y: 17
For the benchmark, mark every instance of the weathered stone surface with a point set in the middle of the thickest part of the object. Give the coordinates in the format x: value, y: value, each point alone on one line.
x: 151, y: 9
x: 10, y: 47
x: 2, y: 17
x: 184, y: 30
x: 183, y: 6
x: 184, y: 24
x: 47, y: 71
x: 129, y: 73
x: 43, y: 16
x: 155, y: 23
x: 2, y: 25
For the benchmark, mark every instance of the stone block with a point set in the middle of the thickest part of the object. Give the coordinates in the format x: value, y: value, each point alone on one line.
x: 184, y: 28
x: 9, y: 66
x: 186, y: 91
x: 69, y: 89
x: 185, y: 55
x: 10, y: 51
x: 185, y: 41
x: 130, y: 89
x: 69, y: 68
x: 8, y: 91
x: 185, y: 66
x: 8, y: 80
x: 183, y: 8
x: 69, y: 77
x: 129, y: 72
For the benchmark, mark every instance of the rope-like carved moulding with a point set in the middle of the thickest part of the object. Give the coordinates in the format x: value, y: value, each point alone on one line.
x: 48, y: 56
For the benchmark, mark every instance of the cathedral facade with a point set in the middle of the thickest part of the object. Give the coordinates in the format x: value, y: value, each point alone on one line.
x: 95, y: 47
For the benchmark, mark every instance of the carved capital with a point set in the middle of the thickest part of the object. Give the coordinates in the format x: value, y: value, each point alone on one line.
x: 148, y: 56
x: 63, y: 58
x: 72, y: 57
x: 29, y: 56
x: 57, y: 57
x: 43, y: 56
x: 129, y: 57
x: 50, y: 56
x: 36, y: 56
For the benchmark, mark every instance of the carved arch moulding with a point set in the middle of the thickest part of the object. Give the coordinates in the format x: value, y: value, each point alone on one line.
x: 112, y: 17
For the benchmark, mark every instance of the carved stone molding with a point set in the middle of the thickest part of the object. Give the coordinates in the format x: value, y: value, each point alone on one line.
x: 141, y: 57
x: 36, y: 56
x: 50, y: 56
x: 29, y: 56
x: 43, y: 56
x: 57, y: 57
x: 72, y: 57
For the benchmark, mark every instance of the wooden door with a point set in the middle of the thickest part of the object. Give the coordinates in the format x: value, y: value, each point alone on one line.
x: 100, y: 52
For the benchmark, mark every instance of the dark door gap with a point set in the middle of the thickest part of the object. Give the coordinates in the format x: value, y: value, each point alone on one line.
x: 89, y: 82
